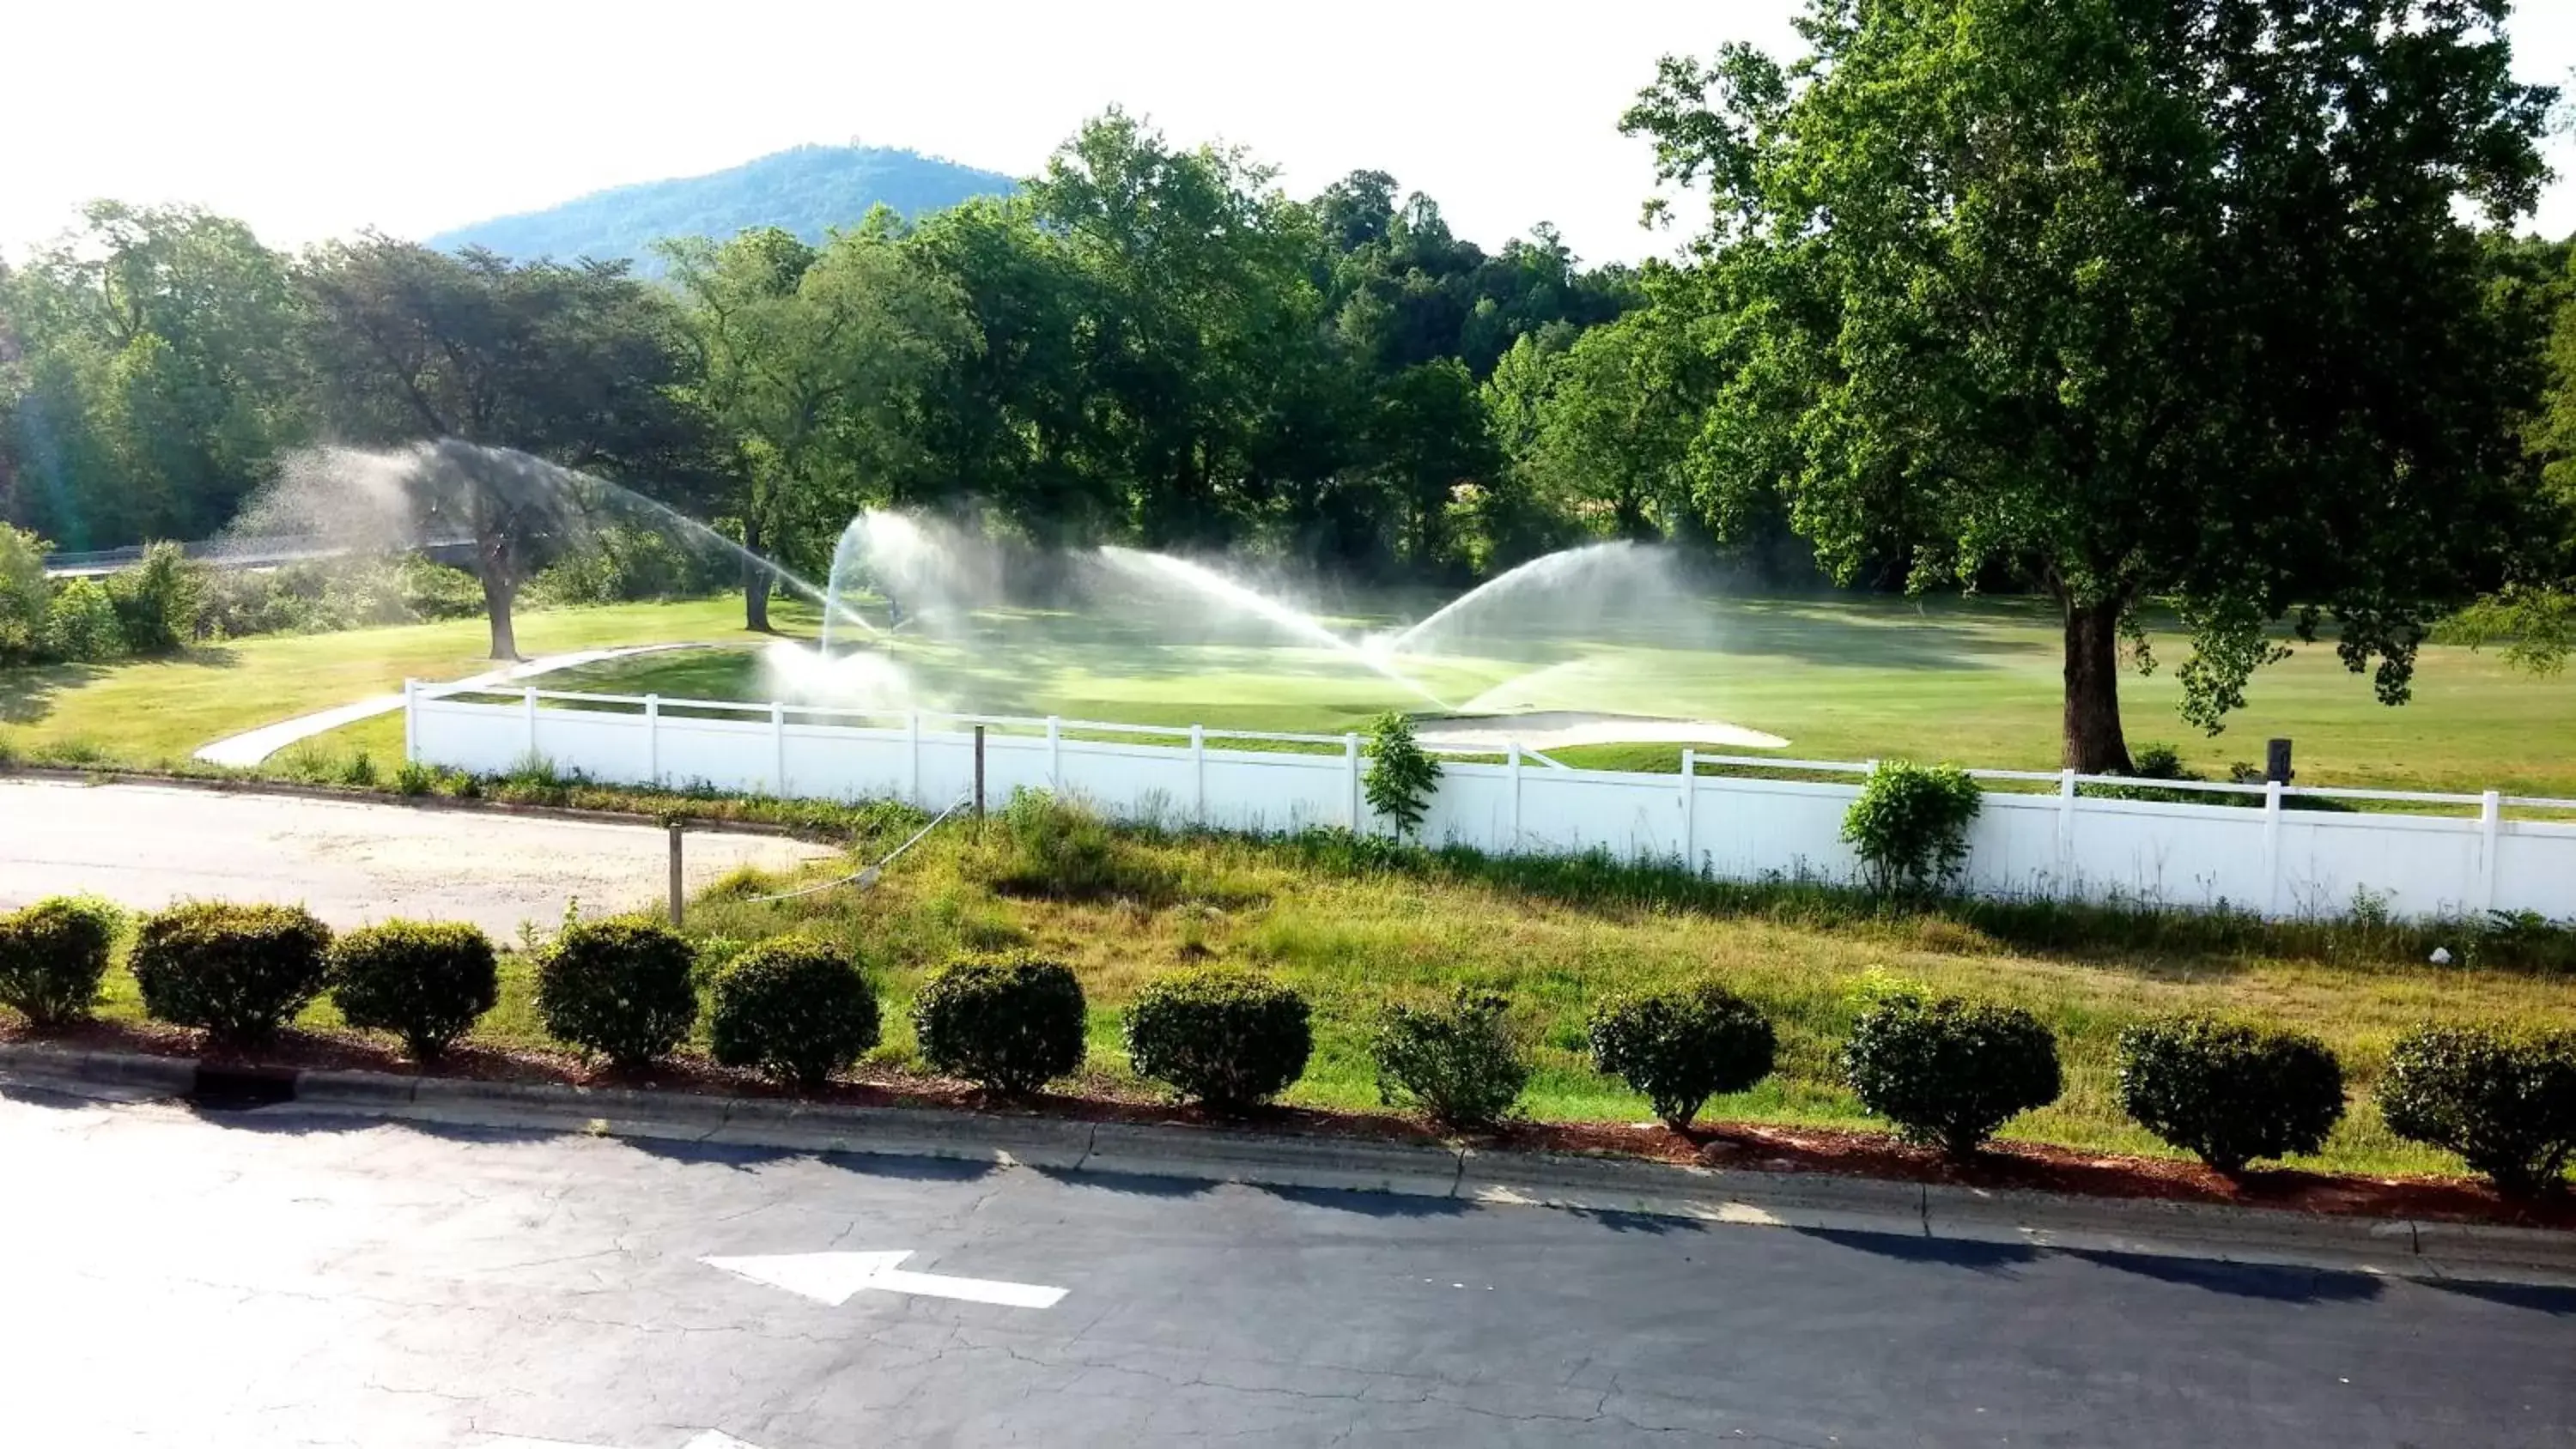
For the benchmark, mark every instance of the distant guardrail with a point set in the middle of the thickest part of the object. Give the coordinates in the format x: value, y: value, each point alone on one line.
x: 234, y: 553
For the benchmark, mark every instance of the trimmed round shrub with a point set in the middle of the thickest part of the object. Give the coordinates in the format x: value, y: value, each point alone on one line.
x: 1681, y: 1048
x: 53, y: 956
x: 238, y: 971
x: 2505, y: 1104
x: 623, y: 990
x: 797, y: 1010
x: 1949, y: 1072
x: 2228, y: 1092
x: 1223, y: 1037
x: 1458, y: 1061
x: 426, y: 981
x: 1006, y: 1023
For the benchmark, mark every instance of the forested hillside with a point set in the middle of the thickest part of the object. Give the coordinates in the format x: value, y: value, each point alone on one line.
x: 804, y: 191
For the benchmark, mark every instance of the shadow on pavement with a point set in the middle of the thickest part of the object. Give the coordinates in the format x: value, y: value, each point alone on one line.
x: 1620, y: 1221
x: 1136, y: 1184
x: 2266, y: 1282
x: 2536, y: 1297
x: 1367, y: 1204
x: 1999, y: 1259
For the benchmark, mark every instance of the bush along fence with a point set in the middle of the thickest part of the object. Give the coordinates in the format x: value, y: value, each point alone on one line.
x: 2009, y: 834
x: 1945, y: 1072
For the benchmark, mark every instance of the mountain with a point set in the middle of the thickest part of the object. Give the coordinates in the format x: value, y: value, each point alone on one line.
x: 804, y: 190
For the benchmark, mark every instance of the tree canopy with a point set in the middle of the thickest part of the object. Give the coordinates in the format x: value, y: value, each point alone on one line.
x: 2133, y: 300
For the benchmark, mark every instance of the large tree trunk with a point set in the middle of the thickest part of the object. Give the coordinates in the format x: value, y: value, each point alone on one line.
x: 755, y: 581
x: 498, y: 594
x: 2094, y: 743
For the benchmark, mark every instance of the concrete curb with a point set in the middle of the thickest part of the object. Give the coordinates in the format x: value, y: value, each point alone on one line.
x: 2009, y: 1221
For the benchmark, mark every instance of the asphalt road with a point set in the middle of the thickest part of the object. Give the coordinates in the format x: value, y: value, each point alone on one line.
x: 269, y: 1279
x: 348, y: 862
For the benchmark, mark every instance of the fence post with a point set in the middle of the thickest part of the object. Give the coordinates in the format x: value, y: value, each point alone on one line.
x: 979, y: 772
x: 2066, y: 831
x: 2490, y: 836
x: 528, y: 705
x: 653, y: 739
x: 679, y: 890
x: 1690, y: 808
x: 1514, y: 763
x: 1351, y: 754
x: 1055, y: 754
x: 778, y: 749
x: 1198, y: 774
x: 2272, y: 847
x: 411, y: 721
x: 912, y: 727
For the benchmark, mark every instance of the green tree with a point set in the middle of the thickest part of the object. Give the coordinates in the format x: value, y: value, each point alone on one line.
x: 2533, y: 617
x: 577, y: 366
x: 806, y: 358
x: 1615, y: 423
x: 2177, y: 301
x: 1431, y: 438
x: 155, y: 377
x: 1199, y: 297
x: 1006, y: 421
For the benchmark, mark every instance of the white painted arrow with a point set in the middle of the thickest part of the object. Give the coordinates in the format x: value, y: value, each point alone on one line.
x: 835, y: 1278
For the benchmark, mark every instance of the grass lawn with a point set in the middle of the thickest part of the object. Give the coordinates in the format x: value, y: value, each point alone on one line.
x: 1355, y: 939
x: 1975, y: 682
x: 159, y: 712
x: 1840, y: 677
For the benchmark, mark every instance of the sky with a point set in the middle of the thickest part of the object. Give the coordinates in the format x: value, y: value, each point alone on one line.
x: 311, y: 120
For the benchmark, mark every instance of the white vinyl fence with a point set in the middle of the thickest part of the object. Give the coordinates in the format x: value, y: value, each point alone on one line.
x: 2275, y: 859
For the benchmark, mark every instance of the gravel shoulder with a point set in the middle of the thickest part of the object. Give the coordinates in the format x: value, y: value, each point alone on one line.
x: 349, y: 862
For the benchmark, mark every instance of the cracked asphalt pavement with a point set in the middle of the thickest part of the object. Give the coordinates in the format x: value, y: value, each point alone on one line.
x: 275, y: 1278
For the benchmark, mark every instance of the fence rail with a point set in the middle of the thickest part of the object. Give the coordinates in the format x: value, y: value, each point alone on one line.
x: 2279, y: 859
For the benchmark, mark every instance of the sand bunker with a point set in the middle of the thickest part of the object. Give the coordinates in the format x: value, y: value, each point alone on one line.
x: 1559, y: 728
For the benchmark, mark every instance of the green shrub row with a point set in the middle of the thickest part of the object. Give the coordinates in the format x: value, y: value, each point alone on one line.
x: 1946, y: 1072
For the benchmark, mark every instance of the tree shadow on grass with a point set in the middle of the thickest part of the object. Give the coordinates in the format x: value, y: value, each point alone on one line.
x: 27, y: 693
x: 2271, y: 1283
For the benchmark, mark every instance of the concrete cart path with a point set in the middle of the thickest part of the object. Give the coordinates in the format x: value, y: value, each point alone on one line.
x: 350, y: 862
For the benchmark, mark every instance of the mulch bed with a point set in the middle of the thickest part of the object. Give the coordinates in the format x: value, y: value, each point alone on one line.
x: 1742, y: 1147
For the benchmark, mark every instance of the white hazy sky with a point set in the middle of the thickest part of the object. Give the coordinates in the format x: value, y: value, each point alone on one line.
x: 315, y: 119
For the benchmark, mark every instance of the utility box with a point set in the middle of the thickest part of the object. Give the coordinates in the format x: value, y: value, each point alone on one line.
x: 2276, y: 761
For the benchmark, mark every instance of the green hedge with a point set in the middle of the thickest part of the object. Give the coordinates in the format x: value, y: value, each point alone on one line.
x: 797, y: 1010
x: 54, y: 957
x: 1222, y: 1037
x: 426, y: 981
x: 1949, y: 1072
x: 238, y: 971
x: 2505, y: 1102
x: 1007, y: 1024
x: 1460, y: 1061
x: 1680, y: 1048
x: 2229, y: 1092
x: 624, y: 990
